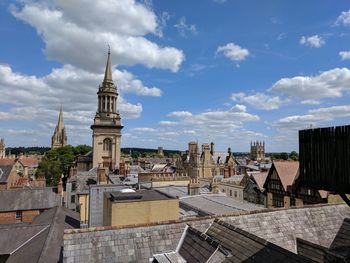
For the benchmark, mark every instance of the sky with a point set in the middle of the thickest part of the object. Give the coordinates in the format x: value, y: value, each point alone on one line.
x: 222, y: 71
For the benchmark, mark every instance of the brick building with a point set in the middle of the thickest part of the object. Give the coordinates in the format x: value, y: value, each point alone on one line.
x: 23, y: 205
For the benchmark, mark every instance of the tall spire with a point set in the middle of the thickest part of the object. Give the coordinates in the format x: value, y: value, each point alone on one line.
x: 108, y: 71
x: 60, y: 124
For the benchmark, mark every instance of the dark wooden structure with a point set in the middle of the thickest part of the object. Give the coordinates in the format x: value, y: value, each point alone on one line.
x: 324, y: 155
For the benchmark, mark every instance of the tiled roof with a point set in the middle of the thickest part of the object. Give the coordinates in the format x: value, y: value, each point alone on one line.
x: 245, y: 246
x: 287, y: 172
x: 7, y: 161
x: 28, y: 199
x: 318, y: 224
x: 30, y: 162
x: 260, y: 179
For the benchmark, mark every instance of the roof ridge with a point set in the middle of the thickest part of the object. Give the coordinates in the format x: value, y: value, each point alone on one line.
x: 195, y: 219
x: 51, y: 226
x: 256, y: 238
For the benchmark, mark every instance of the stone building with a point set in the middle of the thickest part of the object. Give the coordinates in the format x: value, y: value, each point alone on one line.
x: 200, y: 164
x: 106, y: 135
x: 59, y: 137
x: 129, y: 207
x: 257, y: 151
x: 2, y: 148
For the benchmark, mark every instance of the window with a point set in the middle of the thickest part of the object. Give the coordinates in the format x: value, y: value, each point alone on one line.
x: 278, y: 200
x: 230, y: 192
x: 72, y: 199
x: 19, y: 215
x: 235, y: 194
x: 107, y: 145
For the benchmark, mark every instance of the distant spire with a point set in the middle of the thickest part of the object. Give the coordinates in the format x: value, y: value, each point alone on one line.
x: 60, y: 124
x: 108, y: 71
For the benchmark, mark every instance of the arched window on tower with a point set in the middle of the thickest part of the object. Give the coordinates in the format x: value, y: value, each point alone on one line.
x: 107, y: 145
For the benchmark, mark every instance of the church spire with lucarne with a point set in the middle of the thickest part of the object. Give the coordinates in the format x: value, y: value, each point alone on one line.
x: 59, y: 138
x: 106, y: 130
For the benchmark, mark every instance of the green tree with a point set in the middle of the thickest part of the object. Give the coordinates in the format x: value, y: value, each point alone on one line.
x: 294, y: 156
x: 56, y: 163
x: 82, y: 149
x: 284, y: 156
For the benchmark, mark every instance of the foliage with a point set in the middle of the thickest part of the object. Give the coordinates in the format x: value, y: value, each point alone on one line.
x: 294, y: 156
x: 57, y: 162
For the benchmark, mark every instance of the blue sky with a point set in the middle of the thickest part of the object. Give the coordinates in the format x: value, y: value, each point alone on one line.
x: 213, y: 70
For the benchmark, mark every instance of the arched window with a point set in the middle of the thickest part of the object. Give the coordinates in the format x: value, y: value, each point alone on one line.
x: 107, y: 145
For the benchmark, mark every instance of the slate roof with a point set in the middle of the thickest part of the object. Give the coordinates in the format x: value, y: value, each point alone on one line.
x: 28, y: 199
x: 5, y: 171
x: 318, y: 224
x: 216, y: 204
x: 139, y: 195
x: 245, y: 246
x: 40, y: 241
x: 199, y: 247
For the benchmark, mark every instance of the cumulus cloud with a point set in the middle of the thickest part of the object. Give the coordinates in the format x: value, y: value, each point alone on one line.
x: 179, y: 114
x: 312, y: 41
x: 183, y: 27
x: 168, y: 123
x: 314, y: 117
x: 259, y: 100
x: 343, y: 18
x: 328, y: 84
x: 344, y: 55
x: 233, y: 52
x: 143, y: 129
x: 68, y: 26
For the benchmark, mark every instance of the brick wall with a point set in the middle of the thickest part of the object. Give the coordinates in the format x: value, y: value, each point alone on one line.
x: 10, y: 217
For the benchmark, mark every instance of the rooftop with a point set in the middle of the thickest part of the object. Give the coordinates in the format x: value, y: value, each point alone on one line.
x: 138, y: 196
x: 28, y: 199
x: 318, y: 224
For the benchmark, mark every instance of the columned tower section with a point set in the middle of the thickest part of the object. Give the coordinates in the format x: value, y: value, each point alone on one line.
x: 106, y: 130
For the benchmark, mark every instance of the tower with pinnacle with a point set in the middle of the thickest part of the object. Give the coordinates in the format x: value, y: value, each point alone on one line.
x: 257, y: 151
x: 59, y: 137
x: 106, y: 130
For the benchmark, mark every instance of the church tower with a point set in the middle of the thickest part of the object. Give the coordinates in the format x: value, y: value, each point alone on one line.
x: 59, y: 138
x: 106, y: 130
x: 2, y: 148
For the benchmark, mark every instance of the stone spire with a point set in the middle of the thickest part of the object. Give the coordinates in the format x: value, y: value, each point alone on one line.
x: 59, y: 138
x: 108, y: 72
x: 2, y: 148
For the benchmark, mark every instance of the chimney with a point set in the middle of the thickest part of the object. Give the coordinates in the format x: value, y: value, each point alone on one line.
x: 193, y: 187
x: 101, y: 175
x: 215, y: 186
x: 212, y: 148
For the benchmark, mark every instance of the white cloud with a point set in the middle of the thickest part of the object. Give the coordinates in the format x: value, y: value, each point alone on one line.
x: 239, y: 108
x: 233, y: 52
x: 314, y: 117
x: 143, y: 129
x: 344, y: 18
x: 220, y: 1
x: 183, y: 27
x: 312, y: 41
x: 328, y: 84
x: 259, y: 100
x: 311, y: 102
x: 189, y: 132
x: 69, y: 26
x: 344, y: 55
x: 179, y: 114
x: 168, y: 123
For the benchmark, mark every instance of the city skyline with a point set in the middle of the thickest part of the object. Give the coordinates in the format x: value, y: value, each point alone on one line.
x: 229, y: 74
